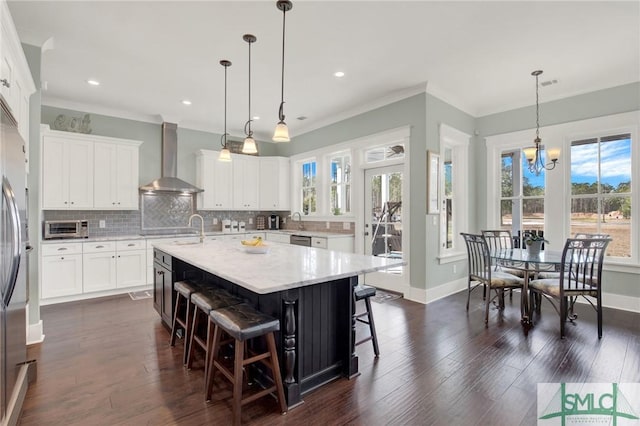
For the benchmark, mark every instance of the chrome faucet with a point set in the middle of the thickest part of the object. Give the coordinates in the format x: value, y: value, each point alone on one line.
x: 300, y: 224
x: 201, y: 225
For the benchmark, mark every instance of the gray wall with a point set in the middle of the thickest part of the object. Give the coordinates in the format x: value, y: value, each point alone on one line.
x: 33, y: 55
x: 615, y: 100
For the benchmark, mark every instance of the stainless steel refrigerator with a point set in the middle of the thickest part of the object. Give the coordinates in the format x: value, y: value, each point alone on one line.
x: 13, y: 267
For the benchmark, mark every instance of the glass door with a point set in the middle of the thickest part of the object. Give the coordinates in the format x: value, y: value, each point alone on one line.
x: 383, y: 223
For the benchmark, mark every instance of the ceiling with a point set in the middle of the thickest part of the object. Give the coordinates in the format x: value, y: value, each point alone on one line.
x: 477, y: 56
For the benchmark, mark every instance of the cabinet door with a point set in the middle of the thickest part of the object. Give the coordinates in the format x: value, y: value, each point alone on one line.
x: 158, y: 287
x: 132, y: 268
x: 99, y: 271
x: 6, y: 74
x: 268, y: 184
x: 79, y: 167
x: 222, y: 184
x: 245, y: 182
x: 55, y: 186
x: 61, y: 276
x: 104, y: 171
x: 126, y: 177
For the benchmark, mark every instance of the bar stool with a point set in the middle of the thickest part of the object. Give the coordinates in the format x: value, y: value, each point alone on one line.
x: 182, y: 313
x: 204, y: 301
x: 243, y: 323
x: 365, y: 292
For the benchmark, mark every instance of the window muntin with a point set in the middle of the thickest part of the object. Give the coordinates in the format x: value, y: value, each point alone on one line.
x: 601, y: 190
x: 309, y: 193
x: 340, y: 185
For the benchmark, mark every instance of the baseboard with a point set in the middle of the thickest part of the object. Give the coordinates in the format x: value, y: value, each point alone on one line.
x: 35, y: 333
x: 86, y: 296
x: 618, y: 301
x: 446, y: 289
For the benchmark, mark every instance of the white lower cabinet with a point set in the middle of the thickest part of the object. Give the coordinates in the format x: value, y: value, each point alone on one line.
x: 131, y: 263
x: 61, y: 273
x: 99, y: 266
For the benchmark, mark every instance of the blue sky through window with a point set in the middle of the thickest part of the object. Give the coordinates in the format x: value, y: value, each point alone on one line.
x: 615, y: 162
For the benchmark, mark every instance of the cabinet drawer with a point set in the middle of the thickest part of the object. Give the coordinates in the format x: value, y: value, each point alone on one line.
x: 131, y: 245
x: 319, y: 242
x: 99, y: 247
x: 62, y: 248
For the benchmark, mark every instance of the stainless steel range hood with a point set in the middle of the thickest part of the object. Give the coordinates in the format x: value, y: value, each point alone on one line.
x: 169, y: 182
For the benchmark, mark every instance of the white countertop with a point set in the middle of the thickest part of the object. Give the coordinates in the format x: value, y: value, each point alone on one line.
x: 283, y: 267
x: 208, y: 234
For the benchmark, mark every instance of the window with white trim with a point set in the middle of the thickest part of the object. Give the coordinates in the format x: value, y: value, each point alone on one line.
x: 308, y: 192
x: 454, y: 152
x: 601, y: 190
x: 340, y: 184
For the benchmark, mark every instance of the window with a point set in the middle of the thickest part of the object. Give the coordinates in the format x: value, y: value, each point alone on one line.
x: 384, y: 153
x: 309, y: 197
x: 601, y: 190
x: 522, y: 195
x: 454, y: 189
x: 340, y: 184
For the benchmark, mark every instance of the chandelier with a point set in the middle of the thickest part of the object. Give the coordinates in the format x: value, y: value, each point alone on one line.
x: 225, y: 154
x: 281, y: 133
x: 534, y: 154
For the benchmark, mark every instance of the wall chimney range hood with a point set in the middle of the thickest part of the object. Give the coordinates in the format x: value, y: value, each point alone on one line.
x: 169, y: 182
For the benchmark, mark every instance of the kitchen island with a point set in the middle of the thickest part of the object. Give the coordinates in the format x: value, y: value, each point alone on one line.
x: 309, y: 290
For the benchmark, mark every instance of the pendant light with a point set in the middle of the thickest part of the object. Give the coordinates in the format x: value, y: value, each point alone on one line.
x: 534, y: 154
x: 249, y: 146
x: 225, y: 154
x: 281, y: 133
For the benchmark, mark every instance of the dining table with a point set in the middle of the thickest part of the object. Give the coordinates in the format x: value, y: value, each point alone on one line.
x: 531, y: 264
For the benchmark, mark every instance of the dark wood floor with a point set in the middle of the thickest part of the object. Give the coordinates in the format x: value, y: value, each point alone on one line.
x: 108, y: 362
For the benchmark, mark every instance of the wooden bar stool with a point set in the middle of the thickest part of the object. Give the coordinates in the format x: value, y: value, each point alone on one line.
x: 203, y: 302
x: 243, y: 323
x: 182, y: 313
x: 365, y: 292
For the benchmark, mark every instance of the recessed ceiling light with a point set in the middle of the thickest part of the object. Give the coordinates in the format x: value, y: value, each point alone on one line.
x: 186, y: 102
x: 338, y: 74
x: 93, y: 82
x: 256, y: 117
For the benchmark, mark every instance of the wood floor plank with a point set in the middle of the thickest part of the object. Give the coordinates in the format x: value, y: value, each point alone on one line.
x: 108, y: 362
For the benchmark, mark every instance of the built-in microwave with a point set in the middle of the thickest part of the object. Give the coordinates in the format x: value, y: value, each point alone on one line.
x: 65, y: 229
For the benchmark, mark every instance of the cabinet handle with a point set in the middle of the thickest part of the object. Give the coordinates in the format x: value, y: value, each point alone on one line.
x: 99, y: 246
x: 72, y: 202
x: 62, y: 258
x: 5, y: 82
x: 160, y: 272
x: 130, y: 244
x: 62, y: 249
x: 113, y: 204
x: 66, y: 202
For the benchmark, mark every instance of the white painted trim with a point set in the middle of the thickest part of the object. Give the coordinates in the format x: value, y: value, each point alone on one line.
x: 446, y: 289
x: 418, y: 295
x: 362, y: 108
x: 35, y: 333
x: 45, y: 130
x: 76, y: 297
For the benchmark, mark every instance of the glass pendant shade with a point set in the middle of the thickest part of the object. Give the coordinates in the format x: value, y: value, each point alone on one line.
x: 249, y: 146
x: 225, y: 155
x: 282, y: 133
x: 530, y: 154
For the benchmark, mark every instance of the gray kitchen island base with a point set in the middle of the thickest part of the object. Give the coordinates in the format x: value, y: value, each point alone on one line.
x: 317, y: 328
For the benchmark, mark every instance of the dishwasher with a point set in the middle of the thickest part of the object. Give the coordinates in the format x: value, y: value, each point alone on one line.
x: 300, y: 240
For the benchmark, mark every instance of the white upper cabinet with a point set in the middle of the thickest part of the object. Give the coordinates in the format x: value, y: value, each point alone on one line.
x: 246, y: 170
x: 84, y: 172
x: 116, y: 176
x: 16, y: 83
x: 274, y: 183
x: 215, y: 177
x: 67, y: 173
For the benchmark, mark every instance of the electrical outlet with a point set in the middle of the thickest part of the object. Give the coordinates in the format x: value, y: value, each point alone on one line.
x: 346, y: 225
x: 328, y: 225
x: 250, y: 221
x: 103, y: 224
x: 215, y: 220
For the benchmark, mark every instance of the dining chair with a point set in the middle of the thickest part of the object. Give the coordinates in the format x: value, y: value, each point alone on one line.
x: 580, y: 276
x: 501, y: 239
x: 556, y: 273
x: 482, y: 272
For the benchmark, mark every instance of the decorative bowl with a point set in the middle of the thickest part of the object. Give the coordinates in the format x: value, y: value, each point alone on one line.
x: 256, y: 249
